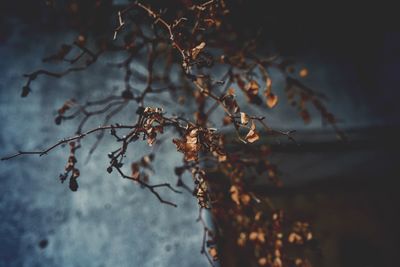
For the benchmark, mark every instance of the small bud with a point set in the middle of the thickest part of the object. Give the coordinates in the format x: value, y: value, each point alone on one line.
x: 25, y: 91
x: 73, y: 184
x: 58, y: 120
x: 109, y: 169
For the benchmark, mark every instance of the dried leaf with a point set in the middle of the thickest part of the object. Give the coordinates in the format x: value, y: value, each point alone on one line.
x: 213, y: 253
x: 196, y: 50
x: 252, y: 87
x: 189, y: 146
x: 272, y: 100
x: 191, y: 138
x: 244, y: 118
x: 230, y: 103
x: 222, y: 158
x: 252, y: 135
x: 153, y: 110
x: 135, y: 171
x: 269, y: 85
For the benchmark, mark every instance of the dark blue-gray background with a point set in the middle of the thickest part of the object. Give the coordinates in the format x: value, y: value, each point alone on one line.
x: 112, y: 222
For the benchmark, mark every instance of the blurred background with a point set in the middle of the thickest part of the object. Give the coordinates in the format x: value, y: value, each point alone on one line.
x: 347, y: 190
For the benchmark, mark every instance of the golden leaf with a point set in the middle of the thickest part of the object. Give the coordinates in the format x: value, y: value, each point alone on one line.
x: 272, y: 100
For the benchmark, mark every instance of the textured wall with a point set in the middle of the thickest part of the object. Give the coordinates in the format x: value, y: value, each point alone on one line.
x: 108, y: 221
